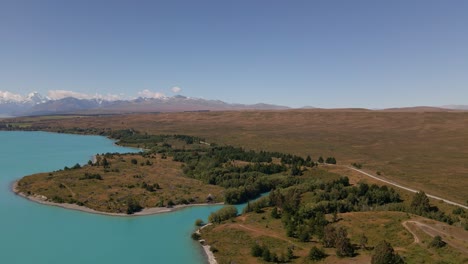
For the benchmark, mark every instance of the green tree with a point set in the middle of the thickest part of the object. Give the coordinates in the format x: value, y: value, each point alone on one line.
x: 344, y: 248
x: 363, y: 241
x: 198, y: 222
x: 384, y: 254
x: 274, y: 213
x: 266, y: 254
x: 329, y: 236
x: 303, y: 233
x: 195, y: 236
x: 105, y: 163
x: 223, y: 214
x: 296, y: 170
x: 437, y: 242
x: 289, y: 254
x: 133, y: 206
x: 320, y: 159
x: 170, y: 203
x: 420, y: 203
x: 343, y: 245
x: 316, y: 254
x: 256, y: 250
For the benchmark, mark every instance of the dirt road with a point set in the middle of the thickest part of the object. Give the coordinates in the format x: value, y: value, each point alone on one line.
x: 452, y: 236
x: 405, y: 188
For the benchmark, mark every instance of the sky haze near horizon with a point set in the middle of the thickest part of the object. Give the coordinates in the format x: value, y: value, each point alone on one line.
x: 372, y: 54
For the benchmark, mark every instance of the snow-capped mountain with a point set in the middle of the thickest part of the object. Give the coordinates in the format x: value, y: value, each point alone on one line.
x: 35, y: 104
x: 11, y: 103
x: 36, y: 98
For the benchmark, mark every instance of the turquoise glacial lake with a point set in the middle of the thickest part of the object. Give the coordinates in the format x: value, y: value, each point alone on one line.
x: 41, y: 234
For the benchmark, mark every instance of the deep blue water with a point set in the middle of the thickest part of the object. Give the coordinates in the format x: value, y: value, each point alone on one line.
x: 40, y: 234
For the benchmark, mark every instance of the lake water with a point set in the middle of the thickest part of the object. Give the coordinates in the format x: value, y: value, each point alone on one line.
x: 41, y: 234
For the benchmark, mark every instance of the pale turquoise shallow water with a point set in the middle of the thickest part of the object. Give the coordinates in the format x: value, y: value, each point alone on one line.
x: 40, y: 234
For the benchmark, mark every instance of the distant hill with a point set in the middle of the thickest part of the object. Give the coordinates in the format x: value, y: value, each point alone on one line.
x: 456, y: 107
x: 417, y: 109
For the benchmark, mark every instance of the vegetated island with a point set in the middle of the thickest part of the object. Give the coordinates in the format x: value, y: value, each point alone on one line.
x: 175, y: 171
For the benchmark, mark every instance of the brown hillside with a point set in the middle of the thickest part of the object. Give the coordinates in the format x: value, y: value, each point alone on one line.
x: 424, y: 150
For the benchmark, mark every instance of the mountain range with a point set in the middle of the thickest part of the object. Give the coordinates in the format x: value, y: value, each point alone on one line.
x: 36, y: 104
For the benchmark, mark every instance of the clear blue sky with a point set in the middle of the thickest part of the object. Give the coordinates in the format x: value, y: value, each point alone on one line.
x: 327, y: 53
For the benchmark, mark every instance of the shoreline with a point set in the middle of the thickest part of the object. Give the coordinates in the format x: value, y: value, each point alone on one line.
x: 145, y: 212
x: 206, y: 248
x: 210, y: 256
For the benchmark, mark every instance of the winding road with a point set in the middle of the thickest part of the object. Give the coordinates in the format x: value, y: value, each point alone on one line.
x: 456, y: 240
x: 406, y: 188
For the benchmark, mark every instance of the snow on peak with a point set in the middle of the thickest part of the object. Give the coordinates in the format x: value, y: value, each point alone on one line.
x: 36, y: 98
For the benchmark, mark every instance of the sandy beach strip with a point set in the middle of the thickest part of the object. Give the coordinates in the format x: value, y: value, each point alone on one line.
x: 207, y: 248
x: 146, y: 211
x: 209, y: 254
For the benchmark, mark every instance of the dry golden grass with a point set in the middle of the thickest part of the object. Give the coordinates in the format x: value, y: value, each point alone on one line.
x: 234, y: 238
x: 424, y: 150
x: 121, y: 181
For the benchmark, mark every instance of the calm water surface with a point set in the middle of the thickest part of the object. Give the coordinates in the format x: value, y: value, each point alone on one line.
x: 40, y: 234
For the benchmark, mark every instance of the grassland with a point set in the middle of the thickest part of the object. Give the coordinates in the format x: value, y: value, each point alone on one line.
x: 423, y: 150
x: 151, y: 181
x: 234, y: 239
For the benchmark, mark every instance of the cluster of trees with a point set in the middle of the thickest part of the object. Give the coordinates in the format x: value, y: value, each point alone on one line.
x: 75, y: 167
x: 316, y: 254
x: 305, y: 220
x: 133, y: 206
x: 302, y: 221
x: 89, y: 176
x: 102, y: 160
x: 338, y: 238
x: 223, y: 166
x: 329, y: 160
x: 267, y: 255
x: 384, y: 254
x: 243, y: 193
x: 420, y: 205
x: 437, y: 242
x: 150, y: 187
x: 153, y: 142
x: 258, y: 205
x: 223, y: 214
x: 132, y: 137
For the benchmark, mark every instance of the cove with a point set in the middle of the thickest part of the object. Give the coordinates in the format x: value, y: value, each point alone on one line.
x: 41, y: 234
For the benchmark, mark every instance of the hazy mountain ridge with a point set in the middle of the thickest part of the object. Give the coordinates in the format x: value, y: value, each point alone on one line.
x: 36, y: 104
x: 456, y: 107
x: 12, y: 104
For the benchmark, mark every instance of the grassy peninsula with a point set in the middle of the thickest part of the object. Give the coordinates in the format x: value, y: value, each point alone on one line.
x: 121, y: 183
x: 173, y: 170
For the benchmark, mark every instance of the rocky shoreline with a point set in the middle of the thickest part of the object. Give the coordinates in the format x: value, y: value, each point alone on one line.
x: 207, y: 248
